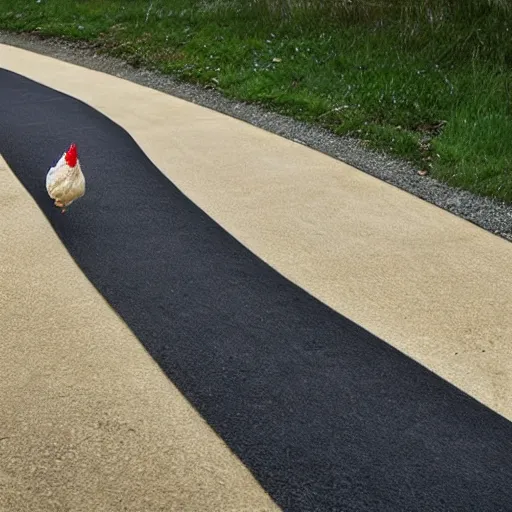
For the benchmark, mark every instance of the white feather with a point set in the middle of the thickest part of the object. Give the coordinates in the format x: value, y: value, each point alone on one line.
x: 65, y: 184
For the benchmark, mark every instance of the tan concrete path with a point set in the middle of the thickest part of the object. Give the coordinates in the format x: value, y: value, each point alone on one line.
x: 88, y: 422
x: 434, y: 286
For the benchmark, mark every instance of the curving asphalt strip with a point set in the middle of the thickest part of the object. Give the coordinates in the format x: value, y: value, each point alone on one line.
x: 323, y: 413
x: 88, y: 421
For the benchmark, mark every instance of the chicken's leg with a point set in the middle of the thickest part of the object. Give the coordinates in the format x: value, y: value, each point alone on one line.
x: 60, y: 204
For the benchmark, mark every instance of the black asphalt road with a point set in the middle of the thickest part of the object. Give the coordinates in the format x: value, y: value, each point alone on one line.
x: 326, y: 416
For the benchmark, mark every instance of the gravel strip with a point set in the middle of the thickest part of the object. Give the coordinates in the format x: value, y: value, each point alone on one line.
x: 489, y: 214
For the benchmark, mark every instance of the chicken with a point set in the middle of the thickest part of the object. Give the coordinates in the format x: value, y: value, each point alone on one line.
x: 65, y: 181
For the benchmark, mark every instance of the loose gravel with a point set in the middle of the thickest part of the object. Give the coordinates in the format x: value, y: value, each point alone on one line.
x: 491, y: 215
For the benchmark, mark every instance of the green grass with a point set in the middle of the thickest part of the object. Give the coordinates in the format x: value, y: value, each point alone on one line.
x: 431, y: 83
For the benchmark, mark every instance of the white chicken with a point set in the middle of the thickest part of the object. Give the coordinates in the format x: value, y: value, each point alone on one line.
x: 65, y: 181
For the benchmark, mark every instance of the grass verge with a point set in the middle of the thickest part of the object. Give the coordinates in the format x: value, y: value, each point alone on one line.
x: 431, y: 84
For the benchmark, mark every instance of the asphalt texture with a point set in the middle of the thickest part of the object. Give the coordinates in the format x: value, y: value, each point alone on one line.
x: 325, y: 415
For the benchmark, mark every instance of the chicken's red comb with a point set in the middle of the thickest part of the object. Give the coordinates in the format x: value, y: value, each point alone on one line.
x: 71, y: 156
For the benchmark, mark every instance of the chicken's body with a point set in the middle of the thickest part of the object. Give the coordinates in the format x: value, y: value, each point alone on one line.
x: 65, y: 181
